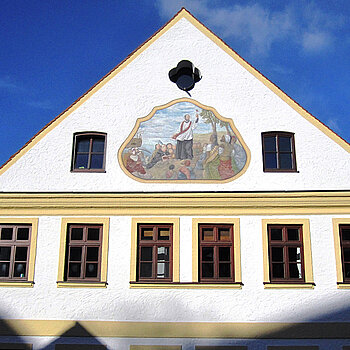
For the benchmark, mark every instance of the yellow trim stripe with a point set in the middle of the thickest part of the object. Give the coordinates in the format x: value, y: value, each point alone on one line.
x: 169, y: 204
x: 220, y: 330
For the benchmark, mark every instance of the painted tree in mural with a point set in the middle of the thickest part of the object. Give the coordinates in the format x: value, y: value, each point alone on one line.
x: 209, y: 118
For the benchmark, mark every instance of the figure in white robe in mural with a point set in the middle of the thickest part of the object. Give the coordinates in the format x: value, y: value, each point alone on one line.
x: 184, y: 138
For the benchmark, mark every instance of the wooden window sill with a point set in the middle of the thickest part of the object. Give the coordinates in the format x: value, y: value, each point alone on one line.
x: 17, y: 284
x: 189, y: 285
x: 308, y: 285
x: 81, y: 284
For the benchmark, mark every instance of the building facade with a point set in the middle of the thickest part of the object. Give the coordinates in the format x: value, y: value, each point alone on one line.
x: 146, y: 217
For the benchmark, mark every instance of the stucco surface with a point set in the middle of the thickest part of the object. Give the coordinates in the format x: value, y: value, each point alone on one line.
x: 118, y: 302
x: 144, y: 84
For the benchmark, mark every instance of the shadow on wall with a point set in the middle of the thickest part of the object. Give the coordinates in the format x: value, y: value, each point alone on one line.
x: 17, y: 342
x: 76, y: 336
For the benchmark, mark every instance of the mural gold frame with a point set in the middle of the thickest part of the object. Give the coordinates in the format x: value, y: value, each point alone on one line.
x: 200, y: 105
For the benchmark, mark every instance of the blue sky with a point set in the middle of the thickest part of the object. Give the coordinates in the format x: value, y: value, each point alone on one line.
x: 51, y: 52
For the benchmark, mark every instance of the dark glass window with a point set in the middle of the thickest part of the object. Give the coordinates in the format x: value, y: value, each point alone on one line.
x: 345, y: 250
x: 286, y: 254
x: 155, y: 251
x: 14, y: 252
x: 216, y: 253
x: 278, y: 151
x: 89, y: 152
x: 83, y: 255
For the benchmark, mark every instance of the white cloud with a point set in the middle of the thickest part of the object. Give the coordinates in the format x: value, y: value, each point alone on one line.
x: 258, y: 27
x: 9, y: 84
x: 333, y: 124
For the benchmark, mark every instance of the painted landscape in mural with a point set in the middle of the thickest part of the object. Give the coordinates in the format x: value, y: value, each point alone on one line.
x: 184, y: 142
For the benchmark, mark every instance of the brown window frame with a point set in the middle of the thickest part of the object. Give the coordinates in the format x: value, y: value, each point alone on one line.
x: 14, y: 243
x: 344, y: 244
x: 84, y: 244
x: 285, y: 244
x: 277, y: 135
x: 91, y: 136
x: 154, y: 243
x: 216, y: 244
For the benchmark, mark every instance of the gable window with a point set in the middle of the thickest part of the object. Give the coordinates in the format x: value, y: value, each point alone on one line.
x: 89, y: 152
x: 278, y: 152
x: 83, y: 252
x: 216, y: 253
x: 287, y: 253
x: 155, y: 250
x: 14, y: 252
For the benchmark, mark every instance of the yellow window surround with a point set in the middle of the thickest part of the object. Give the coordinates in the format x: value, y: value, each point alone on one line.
x: 104, y: 221
x: 336, y: 233
x: 176, y: 250
x: 309, y: 280
x: 32, y: 251
x: 236, y: 251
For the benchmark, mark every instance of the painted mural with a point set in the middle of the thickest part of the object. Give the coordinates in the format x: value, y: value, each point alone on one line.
x: 183, y: 141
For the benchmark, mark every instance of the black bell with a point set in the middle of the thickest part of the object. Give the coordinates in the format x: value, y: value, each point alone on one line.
x: 185, y: 75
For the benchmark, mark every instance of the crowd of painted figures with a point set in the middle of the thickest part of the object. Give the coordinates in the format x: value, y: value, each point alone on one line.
x: 212, y: 161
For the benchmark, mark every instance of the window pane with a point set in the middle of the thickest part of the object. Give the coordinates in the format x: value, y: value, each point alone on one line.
x: 224, y: 234
x: 277, y: 254
x: 346, y: 253
x: 164, y: 234
x: 5, y: 253
x: 224, y: 270
x: 77, y: 234
x: 92, y: 254
x: 147, y: 233
x: 270, y: 161
x: 83, y: 144
x: 346, y: 272
x: 146, y: 253
x: 163, y: 253
x: 208, y: 270
x: 93, y: 234
x: 91, y: 270
x: 294, y: 254
x: 276, y: 234
x: 98, y: 145
x: 6, y: 233
x: 74, y: 270
x: 96, y: 161
x: 293, y: 234
x: 4, y: 269
x: 286, y: 161
x: 295, y: 271
x: 224, y: 253
x: 21, y: 254
x: 146, y: 270
x: 207, y: 234
x: 20, y: 270
x: 23, y: 233
x: 270, y: 143
x: 278, y: 270
x: 81, y: 161
x: 207, y: 253
x: 163, y: 270
x: 284, y: 144
x: 75, y: 254
x: 345, y: 232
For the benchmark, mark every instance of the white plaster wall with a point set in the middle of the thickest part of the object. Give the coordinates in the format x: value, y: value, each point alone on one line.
x: 118, y: 302
x: 144, y: 84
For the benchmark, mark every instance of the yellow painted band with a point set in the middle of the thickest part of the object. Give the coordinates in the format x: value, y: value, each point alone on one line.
x: 186, y: 286
x: 221, y: 330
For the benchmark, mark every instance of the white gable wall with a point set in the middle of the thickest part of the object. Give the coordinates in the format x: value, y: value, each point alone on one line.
x: 144, y: 84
